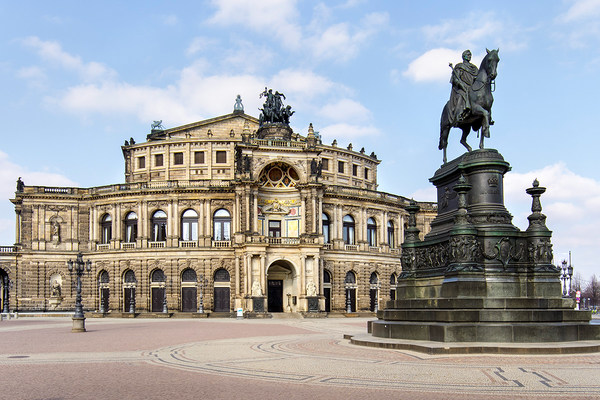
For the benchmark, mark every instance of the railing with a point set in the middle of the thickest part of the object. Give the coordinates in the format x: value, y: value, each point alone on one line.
x: 188, y: 243
x: 374, y: 249
x: 221, y: 243
x: 128, y: 245
x: 278, y: 143
x: 351, y: 247
x: 9, y: 249
x: 102, y: 247
x: 283, y: 240
x: 157, y: 245
x: 395, y: 251
x: 328, y: 246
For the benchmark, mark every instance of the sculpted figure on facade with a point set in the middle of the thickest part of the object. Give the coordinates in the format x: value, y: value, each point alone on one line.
x: 311, y: 289
x: 256, y: 289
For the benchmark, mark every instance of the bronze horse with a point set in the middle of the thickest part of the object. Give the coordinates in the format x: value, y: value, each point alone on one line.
x: 481, y: 99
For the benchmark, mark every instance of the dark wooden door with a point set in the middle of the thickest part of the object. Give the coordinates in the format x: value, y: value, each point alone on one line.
x: 222, y: 299
x: 275, y: 295
x: 327, y: 294
x: 158, y: 295
x: 104, y: 298
x: 188, y: 299
x: 127, y: 299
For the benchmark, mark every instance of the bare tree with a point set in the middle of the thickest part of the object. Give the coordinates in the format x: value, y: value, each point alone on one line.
x: 577, y: 281
x: 592, y: 291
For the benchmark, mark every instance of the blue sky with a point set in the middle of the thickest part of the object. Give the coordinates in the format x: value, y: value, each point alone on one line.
x: 78, y: 78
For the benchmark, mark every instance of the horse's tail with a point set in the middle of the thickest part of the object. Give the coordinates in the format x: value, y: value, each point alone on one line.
x: 444, y: 128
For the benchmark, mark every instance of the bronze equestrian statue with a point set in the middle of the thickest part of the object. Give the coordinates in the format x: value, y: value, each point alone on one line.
x: 470, y: 104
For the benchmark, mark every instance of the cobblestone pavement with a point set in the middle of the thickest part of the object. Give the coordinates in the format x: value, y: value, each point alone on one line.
x: 269, y: 359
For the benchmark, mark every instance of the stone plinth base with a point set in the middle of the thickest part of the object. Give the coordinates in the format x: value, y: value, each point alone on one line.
x: 78, y: 325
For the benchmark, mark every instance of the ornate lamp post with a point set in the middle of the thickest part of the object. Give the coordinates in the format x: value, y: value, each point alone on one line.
x: 8, y: 285
x: 566, y: 276
x: 202, y: 281
x: 348, y: 300
x: 79, y: 266
x: 165, y: 309
x: 132, y: 298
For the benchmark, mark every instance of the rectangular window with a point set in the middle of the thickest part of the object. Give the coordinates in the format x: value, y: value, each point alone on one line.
x: 274, y: 228
x: 141, y: 162
x: 341, y: 167
x: 199, y: 157
x: 158, y: 160
x: 354, y: 170
x: 177, y: 158
x: 366, y: 173
x: 221, y: 157
x: 325, y: 164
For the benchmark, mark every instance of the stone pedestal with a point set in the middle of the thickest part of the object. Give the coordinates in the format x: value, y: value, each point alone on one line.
x: 313, y: 303
x: 476, y: 277
x: 78, y: 325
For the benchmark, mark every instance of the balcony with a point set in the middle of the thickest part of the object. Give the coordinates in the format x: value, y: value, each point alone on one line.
x: 374, y: 249
x: 328, y: 246
x: 284, y: 240
x: 157, y: 245
x: 128, y: 245
x: 102, y: 247
x: 9, y: 249
x: 188, y: 243
x: 351, y: 247
x: 221, y: 243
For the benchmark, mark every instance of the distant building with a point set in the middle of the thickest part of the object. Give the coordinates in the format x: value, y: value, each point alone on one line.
x: 222, y: 211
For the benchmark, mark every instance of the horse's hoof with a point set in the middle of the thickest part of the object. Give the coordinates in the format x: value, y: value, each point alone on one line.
x: 492, y: 122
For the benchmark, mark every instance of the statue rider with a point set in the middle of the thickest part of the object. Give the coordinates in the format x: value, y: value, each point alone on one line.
x: 463, y: 76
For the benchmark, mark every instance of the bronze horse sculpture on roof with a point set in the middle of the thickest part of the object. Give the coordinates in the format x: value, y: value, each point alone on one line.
x: 480, y: 99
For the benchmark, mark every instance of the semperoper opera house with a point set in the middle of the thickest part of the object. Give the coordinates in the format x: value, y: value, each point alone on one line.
x: 215, y: 216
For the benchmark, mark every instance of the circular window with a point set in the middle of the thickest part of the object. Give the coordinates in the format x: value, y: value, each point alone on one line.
x: 279, y: 175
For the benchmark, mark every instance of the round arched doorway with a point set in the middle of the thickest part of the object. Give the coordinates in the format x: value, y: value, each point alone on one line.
x: 282, y: 288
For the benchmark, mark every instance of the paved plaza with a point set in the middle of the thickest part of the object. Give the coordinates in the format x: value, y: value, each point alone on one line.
x: 261, y: 359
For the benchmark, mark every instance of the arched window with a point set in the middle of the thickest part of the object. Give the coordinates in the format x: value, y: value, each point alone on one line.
x: 188, y: 275
x: 222, y: 225
x: 350, y: 278
x: 106, y: 227
x: 326, y: 276
x: 348, y: 229
x: 326, y: 229
x: 393, y: 280
x: 189, y: 225
x: 129, y: 277
x: 158, y: 275
x: 327, y: 289
x: 372, y: 232
x: 374, y: 291
x: 390, y: 234
x: 374, y: 279
x: 393, y: 287
x: 159, y: 226
x: 222, y: 275
x: 131, y: 221
x: 103, y: 277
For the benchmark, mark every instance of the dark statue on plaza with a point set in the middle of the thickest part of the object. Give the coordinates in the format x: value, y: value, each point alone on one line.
x: 470, y: 104
x: 273, y: 111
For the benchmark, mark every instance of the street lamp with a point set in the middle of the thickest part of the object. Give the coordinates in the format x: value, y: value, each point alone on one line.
x: 8, y: 285
x: 165, y: 310
x: 201, y: 283
x: 566, y: 276
x: 348, y: 301
x: 79, y: 266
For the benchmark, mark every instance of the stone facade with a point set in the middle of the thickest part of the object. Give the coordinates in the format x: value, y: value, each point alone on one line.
x: 209, y: 213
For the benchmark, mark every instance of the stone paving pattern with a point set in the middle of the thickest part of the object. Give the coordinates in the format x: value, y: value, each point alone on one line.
x: 268, y: 359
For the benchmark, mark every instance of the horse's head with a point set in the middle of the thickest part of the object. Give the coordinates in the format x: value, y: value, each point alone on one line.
x: 490, y: 63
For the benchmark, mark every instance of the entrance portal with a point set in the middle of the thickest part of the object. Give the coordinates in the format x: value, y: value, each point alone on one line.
x: 281, y: 281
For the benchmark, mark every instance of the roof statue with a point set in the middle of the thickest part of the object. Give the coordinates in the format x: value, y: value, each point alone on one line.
x: 157, y: 126
x: 470, y: 104
x: 273, y: 111
x: 238, y: 107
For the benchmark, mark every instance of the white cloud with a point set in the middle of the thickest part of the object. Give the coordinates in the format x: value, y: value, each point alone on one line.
x: 302, y: 83
x: 273, y: 18
x: 199, y: 44
x: 342, y: 42
x: 571, y: 206
x: 53, y: 52
x: 433, y: 65
x: 346, y: 110
x: 348, y: 131
x: 453, y: 32
x: 170, y: 20
x: 581, y: 10
x: 35, y: 76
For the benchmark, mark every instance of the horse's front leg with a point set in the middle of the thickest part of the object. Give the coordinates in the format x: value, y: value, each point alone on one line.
x: 463, y: 139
